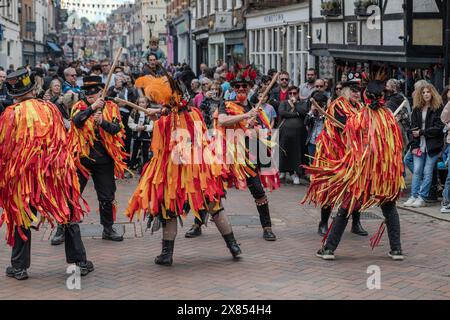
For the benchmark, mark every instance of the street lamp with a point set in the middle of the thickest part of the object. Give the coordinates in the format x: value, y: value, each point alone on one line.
x: 151, y: 25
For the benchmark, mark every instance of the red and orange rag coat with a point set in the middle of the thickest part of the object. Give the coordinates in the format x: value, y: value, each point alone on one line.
x: 81, y: 140
x: 37, y: 168
x: 238, y: 171
x: 370, y: 171
x: 182, y: 170
x: 330, y: 145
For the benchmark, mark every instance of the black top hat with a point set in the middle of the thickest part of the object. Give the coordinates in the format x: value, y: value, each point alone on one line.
x: 92, y: 84
x: 20, y: 82
x: 353, y: 81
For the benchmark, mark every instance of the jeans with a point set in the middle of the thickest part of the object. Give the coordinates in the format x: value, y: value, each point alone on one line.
x: 445, y: 193
x: 422, y: 175
x: 408, y: 162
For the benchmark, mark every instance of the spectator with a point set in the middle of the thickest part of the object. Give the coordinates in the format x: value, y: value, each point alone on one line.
x: 427, y: 131
x: 393, y: 98
x: 408, y: 159
x: 280, y: 93
x: 52, y: 74
x: 268, y: 109
x: 5, y: 99
x: 195, y: 88
x: 152, y: 68
x: 203, y: 68
x: 319, y: 85
x: 205, y: 87
x: 210, y: 103
x: 186, y: 76
x: 55, y: 96
x: 106, y: 67
x: 11, y: 69
x: 120, y: 91
x: 307, y: 88
x: 445, y: 118
x: 328, y: 86
x: 141, y: 126
x: 96, y: 70
x: 293, y: 135
x: 70, y: 75
x: 156, y: 51
x: 314, y: 121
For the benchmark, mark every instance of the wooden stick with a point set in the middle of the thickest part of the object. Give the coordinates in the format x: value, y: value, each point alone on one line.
x: 135, y: 106
x: 111, y: 71
x: 400, y: 108
x: 266, y: 92
x: 326, y: 115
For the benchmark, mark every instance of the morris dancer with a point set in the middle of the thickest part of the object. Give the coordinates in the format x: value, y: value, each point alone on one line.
x: 331, y: 144
x: 173, y: 183
x: 96, y: 140
x: 369, y: 172
x: 37, y: 173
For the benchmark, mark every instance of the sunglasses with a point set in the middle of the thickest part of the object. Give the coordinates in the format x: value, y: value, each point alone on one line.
x: 72, y: 75
x: 284, y: 79
x: 239, y: 86
x: 338, y: 88
x: 320, y: 86
x: 293, y: 93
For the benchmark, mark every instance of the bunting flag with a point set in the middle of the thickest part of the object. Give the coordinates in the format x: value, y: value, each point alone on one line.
x: 37, y: 170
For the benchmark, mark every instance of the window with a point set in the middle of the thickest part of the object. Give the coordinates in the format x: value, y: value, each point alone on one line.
x: 212, y: 6
x: 229, y: 5
x: 238, y: 4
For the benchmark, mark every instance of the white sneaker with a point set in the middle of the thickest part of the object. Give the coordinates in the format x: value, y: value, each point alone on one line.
x: 419, y: 203
x: 288, y: 177
x: 445, y: 209
x: 296, y: 180
x: 282, y: 175
x: 409, y: 202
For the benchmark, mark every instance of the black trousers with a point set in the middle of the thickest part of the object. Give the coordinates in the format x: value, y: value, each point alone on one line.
x: 257, y: 190
x: 73, y: 245
x: 144, y: 146
x: 390, y: 213
x: 105, y: 187
x: 325, y: 213
x: 128, y: 134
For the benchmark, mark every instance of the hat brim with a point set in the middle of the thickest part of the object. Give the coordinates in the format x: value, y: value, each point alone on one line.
x: 20, y: 94
x: 97, y: 85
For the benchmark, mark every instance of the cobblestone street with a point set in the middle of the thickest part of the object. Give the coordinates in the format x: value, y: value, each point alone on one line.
x: 204, y: 269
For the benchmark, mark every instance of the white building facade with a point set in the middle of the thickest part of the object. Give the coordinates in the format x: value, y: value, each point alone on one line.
x: 278, y: 39
x: 10, y: 43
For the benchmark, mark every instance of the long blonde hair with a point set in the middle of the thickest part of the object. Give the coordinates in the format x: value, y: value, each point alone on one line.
x: 419, y: 102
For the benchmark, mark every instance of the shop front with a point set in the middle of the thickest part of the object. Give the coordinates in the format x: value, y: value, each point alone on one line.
x: 216, y: 43
x: 235, y: 47
x: 279, y: 39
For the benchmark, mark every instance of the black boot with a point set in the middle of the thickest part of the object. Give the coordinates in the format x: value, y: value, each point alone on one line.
x: 59, y: 236
x: 19, y: 274
x: 268, y: 235
x: 325, y: 213
x: 165, y: 258
x: 110, y: 234
x: 323, y: 228
x: 232, y: 245
x: 356, y: 225
x: 85, y: 267
x: 194, y: 231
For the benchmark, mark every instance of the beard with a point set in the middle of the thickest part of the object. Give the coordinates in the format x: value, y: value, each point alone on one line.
x: 311, y: 80
x: 241, y: 96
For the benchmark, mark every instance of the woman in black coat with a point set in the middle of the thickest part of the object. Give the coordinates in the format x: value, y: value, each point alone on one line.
x: 293, y: 135
x: 427, y: 143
